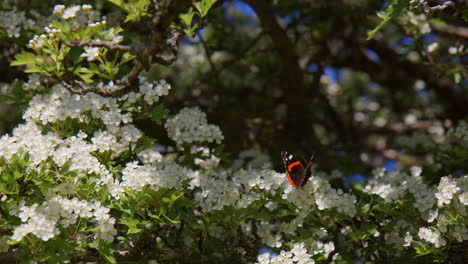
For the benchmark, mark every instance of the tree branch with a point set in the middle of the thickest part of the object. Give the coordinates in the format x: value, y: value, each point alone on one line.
x: 299, y: 118
x: 166, y: 12
x: 461, y: 32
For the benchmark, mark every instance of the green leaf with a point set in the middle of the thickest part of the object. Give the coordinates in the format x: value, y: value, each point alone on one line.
x: 7, y: 98
x: 393, y: 10
x: 104, y: 249
x: 24, y: 58
x: 204, y: 6
x: 135, y: 8
x: 144, y: 143
x: 132, y: 225
x: 126, y: 57
x: 153, y: 215
x: 118, y: 3
x: 159, y: 113
x: 457, y: 77
x: 187, y: 18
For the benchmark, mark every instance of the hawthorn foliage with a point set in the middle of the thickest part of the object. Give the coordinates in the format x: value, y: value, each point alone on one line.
x: 150, y: 131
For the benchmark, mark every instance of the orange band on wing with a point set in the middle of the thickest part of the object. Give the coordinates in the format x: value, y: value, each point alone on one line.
x: 295, y: 164
x: 290, y: 180
x: 309, y: 164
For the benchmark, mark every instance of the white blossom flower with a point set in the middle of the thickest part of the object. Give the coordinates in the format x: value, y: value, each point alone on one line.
x: 71, y: 12
x: 446, y: 189
x: 432, y: 47
x: 264, y: 258
x: 431, y: 236
x: 408, y: 239
x: 58, y: 10
x: 86, y: 7
x: 91, y: 53
x: 190, y: 126
x: 13, y: 22
x: 152, y: 91
x: 463, y: 198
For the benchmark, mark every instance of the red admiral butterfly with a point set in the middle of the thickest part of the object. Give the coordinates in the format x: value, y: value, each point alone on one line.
x: 295, y: 172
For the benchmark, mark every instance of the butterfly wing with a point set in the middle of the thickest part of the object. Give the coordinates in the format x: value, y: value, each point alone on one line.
x: 308, y: 172
x: 295, y: 171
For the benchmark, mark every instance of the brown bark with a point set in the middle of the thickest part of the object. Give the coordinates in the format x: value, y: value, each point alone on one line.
x: 300, y: 135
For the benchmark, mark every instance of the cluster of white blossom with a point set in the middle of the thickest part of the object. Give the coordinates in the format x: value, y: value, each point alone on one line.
x: 262, y: 179
x: 323, y: 248
x: 393, y: 237
x: 90, y: 53
x: 190, y: 126
x: 149, y: 91
x: 152, y: 91
x: 34, y: 83
x: 419, y: 21
x: 73, y: 12
x: 272, y: 234
x: 456, y: 136
x: 248, y: 186
x: 60, y: 104
x: 44, y: 40
x: 46, y: 220
x: 37, y: 42
x: 332, y: 88
x: 446, y: 190
x: 216, y: 191
x: 298, y: 254
x: 417, y: 139
x: 252, y: 159
x: 13, y: 22
x: 206, y: 159
x: 454, y: 50
x: 79, y: 17
x: 450, y: 192
x: 163, y: 175
x: 27, y: 138
x: 122, y: 138
x: 444, y: 135
x: 150, y: 156
x: 245, y: 187
x: 432, y: 47
x: 432, y: 236
x: 191, y: 55
x: 318, y: 191
x: 79, y: 153
x: 394, y: 185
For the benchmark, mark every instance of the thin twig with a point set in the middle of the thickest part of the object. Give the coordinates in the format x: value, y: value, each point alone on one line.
x: 105, y: 44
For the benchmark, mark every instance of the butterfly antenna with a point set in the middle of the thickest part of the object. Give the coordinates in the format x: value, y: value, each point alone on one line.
x: 312, y: 157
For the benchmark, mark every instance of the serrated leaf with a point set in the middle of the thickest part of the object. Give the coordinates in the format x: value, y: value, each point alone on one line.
x: 104, y: 250
x: 204, y: 6
x: 126, y: 57
x: 187, y: 18
x: 159, y: 113
x: 144, y: 143
x: 118, y: 3
x: 24, y: 58
x: 391, y: 11
x: 153, y: 215
x: 134, y: 230
x: 132, y: 225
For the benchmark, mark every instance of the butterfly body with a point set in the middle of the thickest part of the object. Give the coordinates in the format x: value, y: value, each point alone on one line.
x: 296, y: 173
